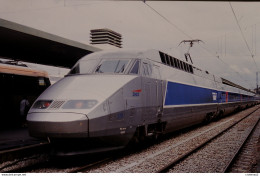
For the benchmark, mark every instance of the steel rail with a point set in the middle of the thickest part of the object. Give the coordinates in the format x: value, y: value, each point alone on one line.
x: 193, y: 150
x: 11, y: 154
x: 27, y: 168
x: 91, y: 165
x: 232, y: 160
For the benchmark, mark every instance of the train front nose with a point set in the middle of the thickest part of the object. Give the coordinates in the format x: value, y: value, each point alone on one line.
x: 83, y: 113
x: 62, y: 111
x: 58, y: 125
x: 60, y: 118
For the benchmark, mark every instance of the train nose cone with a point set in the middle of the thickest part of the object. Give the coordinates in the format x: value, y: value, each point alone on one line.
x: 58, y: 124
x: 56, y: 112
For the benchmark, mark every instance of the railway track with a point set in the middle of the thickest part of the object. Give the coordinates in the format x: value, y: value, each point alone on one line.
x: 91, y: 165
x: 11, y: 158
x: 162, y: 157
x: 246, y: 161
x: 51, y: 164
x: 19, y: 152
x: 254, y: 130
x: 225, y: 141
x: 117, y: 155
x: 84, y: 163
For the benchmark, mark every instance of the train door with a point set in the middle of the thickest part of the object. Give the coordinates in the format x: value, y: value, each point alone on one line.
x: 134, y: 95
x: 149, y: 86
x: 159, y: 90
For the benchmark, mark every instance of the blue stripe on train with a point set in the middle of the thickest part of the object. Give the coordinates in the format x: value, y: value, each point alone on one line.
x: 178, y: 94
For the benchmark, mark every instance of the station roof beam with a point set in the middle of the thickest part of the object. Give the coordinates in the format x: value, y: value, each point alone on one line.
x: 24, y: 43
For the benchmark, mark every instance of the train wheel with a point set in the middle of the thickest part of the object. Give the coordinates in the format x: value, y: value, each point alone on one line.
x: 209, y: 117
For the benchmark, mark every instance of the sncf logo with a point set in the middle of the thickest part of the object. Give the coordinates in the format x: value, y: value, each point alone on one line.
x: 136, y: 93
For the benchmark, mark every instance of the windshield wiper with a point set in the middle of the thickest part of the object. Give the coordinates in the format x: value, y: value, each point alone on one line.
x: 122, y: 69
x: 97, y: 70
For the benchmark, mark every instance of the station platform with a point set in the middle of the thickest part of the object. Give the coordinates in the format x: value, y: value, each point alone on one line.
x: 16, y: 138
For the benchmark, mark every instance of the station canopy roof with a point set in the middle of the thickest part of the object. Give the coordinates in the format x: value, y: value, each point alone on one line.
x: 24, y: 43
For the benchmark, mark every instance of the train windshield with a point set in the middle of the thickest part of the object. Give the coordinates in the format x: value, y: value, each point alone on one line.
x: 112, y: 66
x: 97, y: 66
x: 84, y: 67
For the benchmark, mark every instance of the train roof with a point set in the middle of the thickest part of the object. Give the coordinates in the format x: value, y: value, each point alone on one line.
x: 152, y: 54
x: 21, y: 70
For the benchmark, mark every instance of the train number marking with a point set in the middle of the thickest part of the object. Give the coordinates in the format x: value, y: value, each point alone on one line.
x: 214, y: 96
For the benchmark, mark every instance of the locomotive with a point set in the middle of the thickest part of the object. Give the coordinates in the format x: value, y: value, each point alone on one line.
x: 112, y: 97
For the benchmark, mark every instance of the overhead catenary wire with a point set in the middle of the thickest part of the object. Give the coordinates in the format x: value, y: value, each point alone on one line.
x: 226, y: 64
x: 243, y: 36
x: 182, y: 31
x: 172, y: 24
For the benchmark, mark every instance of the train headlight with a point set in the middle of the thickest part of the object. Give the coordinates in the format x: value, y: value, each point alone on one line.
x: 42, y: 104
x: 79, y: 104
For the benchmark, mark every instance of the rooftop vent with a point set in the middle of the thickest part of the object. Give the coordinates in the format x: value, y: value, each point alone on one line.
x: 105, y: 36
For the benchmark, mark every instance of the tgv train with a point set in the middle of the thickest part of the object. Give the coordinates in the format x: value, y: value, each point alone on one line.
x: 111, y: 98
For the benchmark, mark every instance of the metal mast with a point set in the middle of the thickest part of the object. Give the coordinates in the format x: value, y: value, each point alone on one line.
x: 256, y: 82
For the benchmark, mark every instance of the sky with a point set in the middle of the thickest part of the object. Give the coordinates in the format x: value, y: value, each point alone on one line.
x: 229, y: 31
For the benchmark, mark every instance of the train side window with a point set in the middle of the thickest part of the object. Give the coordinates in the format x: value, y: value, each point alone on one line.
x: 156, y: 72
x: 178, y: 64
x: 171, y: 61
x: 175, y: 62
x: 191, y: 69
x: 150, y: 69
x: 146, y: 69
x: 135, y: 68
x: 162, y: 55
x: 167, y: 59
x: 186, y: 67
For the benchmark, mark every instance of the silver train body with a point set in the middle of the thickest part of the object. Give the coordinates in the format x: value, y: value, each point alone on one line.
x: 110, y: 98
